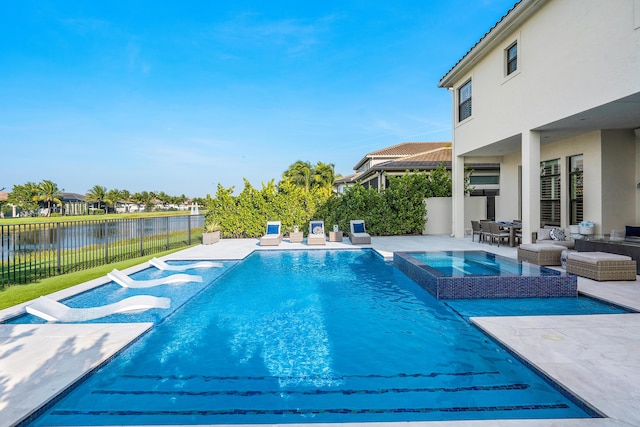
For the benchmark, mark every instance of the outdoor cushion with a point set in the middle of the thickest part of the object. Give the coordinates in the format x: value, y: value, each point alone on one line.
x: 544, y: 234
x: 557, y: 234
x: 541, y: 247
x: 595, y: 257
x: 358, y: 227
x: 273, y: 229
x: 317, y: 228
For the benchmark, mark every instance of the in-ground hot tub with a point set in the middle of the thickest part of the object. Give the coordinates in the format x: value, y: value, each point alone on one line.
x: 480, y: 274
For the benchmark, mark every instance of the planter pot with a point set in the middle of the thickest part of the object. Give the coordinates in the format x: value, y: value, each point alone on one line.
x: 210, y: 238
x: 588, y: 230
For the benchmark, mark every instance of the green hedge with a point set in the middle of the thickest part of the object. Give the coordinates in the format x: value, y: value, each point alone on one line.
x: 246, y: 215
x: 398, y: 210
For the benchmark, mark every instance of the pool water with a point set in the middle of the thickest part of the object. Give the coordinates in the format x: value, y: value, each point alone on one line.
x: 478, y: 263
x: 532, y: 307
x: 310, y: 336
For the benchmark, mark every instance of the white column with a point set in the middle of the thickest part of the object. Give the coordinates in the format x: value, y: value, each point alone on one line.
x: 530, y: 184
x: 457, y: 177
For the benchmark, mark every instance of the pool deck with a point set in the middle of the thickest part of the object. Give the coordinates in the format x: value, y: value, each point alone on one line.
x: 596, y: 357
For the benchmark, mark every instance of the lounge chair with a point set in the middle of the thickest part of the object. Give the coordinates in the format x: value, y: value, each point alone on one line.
x: 273, y: 236
x: 358, y: 234
x: 316, y: 235
x: 54, y: 311
x: 161, y: 265
x: 127, y: 282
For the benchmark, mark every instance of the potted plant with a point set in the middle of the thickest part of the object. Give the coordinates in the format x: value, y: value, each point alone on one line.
x: 211, y: 233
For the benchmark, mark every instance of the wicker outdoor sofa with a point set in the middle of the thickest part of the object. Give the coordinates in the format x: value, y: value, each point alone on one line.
x: 601, y: 266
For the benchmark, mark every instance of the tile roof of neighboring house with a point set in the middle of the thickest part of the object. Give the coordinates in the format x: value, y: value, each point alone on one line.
x: 429, y: 160
x: 3, y: 196
x: 408, y: 148
x: 402, y: 150
x: 349, y: 178
x: 429, y: 156
x: 73, y: 196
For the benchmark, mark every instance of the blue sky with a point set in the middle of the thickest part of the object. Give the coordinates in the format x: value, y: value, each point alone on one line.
x: 178, y: 96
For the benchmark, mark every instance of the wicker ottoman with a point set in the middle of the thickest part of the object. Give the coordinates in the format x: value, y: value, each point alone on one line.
x: 540, y: 253
x: 601, y: 266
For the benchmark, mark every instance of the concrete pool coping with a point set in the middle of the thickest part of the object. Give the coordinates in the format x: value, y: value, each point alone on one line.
x: 594, y: 356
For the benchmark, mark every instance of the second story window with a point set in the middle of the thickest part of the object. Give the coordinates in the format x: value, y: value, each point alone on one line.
x: 512, y: 58
x: 464, y: 101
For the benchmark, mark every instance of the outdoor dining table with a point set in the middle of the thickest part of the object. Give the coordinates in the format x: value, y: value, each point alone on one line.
x: 512, y: 227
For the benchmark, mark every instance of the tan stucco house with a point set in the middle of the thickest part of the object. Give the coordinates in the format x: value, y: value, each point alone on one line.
x: 552, y: 94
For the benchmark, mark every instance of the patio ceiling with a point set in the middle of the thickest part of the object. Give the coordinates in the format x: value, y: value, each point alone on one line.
x: 623, y: 113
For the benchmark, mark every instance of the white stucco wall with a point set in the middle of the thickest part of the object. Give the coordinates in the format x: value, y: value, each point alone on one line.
x: 637, y: 133
x: 508, y: 204
x: 619, y: 185
x: 439, y: 211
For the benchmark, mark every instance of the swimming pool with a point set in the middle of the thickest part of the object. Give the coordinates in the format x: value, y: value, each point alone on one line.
x: 310, y: 336
x: 480, y: 274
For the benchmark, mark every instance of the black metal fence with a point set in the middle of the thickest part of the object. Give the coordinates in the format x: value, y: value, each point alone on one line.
x: 29, y: 252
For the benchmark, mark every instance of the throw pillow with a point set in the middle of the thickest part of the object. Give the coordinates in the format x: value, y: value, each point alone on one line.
x: 358, y: 227
x: 557, y: 234
x: 273, y: 229
x: 631, y: 231
x: 544, y: 234
x: 317, y: 229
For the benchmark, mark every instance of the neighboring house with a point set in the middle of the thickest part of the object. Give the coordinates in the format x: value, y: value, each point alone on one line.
x: 73, y: 204
x: 552, y: 94
x: 374, y: 167
x: 3, y: 201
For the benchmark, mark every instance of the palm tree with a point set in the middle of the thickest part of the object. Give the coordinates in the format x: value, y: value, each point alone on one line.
x: 323, y: 174
x: 48, y: 191
x: 300, y: 174
x: 114, y: 196
x: 98, y: 194
x: 303, y: 174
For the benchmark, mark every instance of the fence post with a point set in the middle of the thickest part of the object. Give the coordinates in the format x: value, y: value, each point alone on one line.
x: 58, y: 250
x: 2, y: 253
x: 167, y: 248
x: 189, y: 230
x: 106, y: 241
x: 141, y: 227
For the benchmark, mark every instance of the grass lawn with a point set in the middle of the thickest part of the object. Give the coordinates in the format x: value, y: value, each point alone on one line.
x: 40, y: 219
x: 16, y: 294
